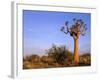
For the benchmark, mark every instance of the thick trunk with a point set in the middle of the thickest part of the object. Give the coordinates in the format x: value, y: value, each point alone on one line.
x: 76, y: 56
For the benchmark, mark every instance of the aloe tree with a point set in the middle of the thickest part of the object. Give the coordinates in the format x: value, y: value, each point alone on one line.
x: 75, y: 30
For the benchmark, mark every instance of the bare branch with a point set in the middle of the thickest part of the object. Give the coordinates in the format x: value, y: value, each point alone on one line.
x: 62, y: 28
x: 66, y: 23
x: 65, y: 32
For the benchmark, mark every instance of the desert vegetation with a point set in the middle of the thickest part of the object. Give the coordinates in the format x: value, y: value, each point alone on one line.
x: 56, y: 56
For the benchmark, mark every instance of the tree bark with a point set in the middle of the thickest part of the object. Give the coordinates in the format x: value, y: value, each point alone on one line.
x: 76, y: 56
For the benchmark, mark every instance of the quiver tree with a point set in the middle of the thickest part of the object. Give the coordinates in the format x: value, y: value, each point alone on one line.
x: 75, y: 30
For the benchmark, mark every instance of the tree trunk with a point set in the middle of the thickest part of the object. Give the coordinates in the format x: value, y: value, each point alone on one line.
x: 76, y: 56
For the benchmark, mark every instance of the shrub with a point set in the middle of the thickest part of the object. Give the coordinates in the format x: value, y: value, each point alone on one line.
x: 60, y: 54
x: 34, y: 58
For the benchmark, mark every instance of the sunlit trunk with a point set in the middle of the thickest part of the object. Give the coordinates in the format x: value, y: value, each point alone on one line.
x: 76, y: 56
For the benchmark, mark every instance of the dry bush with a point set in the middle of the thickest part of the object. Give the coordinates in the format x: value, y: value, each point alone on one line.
x: 60, y: 54
x: 35, y: 58
x: 27, y: 65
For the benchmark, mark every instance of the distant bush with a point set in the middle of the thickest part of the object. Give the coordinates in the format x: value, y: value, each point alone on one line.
x: 85, y: 59
x: 34, y: 58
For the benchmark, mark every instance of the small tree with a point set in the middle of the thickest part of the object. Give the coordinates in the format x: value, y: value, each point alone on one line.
x: 75, y: 30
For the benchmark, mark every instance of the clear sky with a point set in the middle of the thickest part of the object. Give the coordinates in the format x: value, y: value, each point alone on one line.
x: 41, y: 29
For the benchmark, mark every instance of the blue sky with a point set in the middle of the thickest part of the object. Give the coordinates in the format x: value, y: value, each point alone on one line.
x: 41, y: 29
